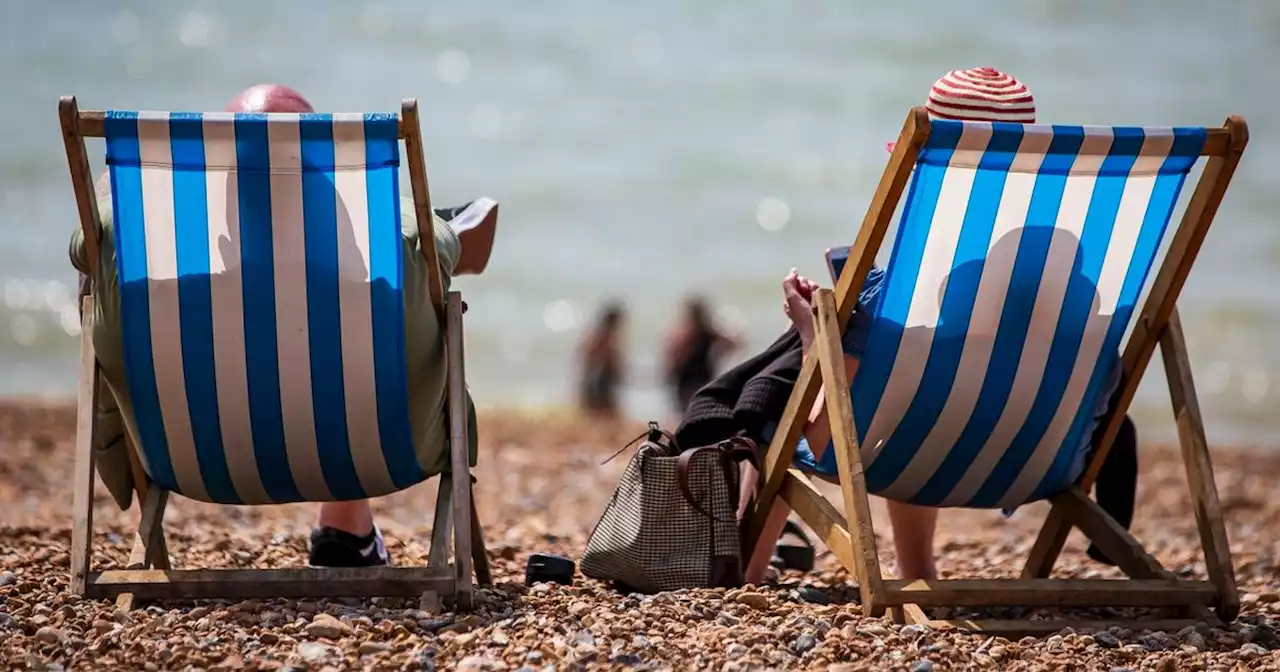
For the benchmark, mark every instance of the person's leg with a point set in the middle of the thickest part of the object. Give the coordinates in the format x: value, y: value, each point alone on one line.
x: 355, y: 517
x: 345, y: 536
x: 913, y: 528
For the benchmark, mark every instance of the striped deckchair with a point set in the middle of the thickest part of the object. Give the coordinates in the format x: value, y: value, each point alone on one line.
x: 261, y: 297
x: 1019, y: 260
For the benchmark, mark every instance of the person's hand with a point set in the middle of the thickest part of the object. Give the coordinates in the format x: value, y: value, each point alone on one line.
x: 797, y: 303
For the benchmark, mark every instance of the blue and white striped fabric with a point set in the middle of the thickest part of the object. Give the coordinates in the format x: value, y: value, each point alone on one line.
x: 260, y: 267
x: 1021, y: 253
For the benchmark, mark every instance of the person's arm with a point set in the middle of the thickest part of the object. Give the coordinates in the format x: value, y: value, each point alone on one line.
x: 817, y: 431
x: 76, y: 250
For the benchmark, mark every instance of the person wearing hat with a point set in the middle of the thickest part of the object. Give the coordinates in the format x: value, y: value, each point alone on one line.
x: 748, y: 401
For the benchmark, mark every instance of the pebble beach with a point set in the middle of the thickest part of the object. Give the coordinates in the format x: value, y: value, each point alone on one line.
x: 541, y: 488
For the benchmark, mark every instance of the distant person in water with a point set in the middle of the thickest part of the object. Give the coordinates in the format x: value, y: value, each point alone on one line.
x: 602, y: 363
x: 345, y: 534
x: 695, y: 348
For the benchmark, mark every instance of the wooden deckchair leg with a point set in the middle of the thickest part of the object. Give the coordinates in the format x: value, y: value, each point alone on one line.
x: 440, y: 527
x: 1195, y: 456
x: 86, y: 433
x: 853, y: 485
x: 459, y: 448
x: 144, y: 540
x: 479, y: 554
x: 158, y: 551
x: 1115, y: 541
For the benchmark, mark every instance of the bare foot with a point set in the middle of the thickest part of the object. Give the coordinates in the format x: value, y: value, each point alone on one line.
x: 476, y: 245
x: 797, y: 303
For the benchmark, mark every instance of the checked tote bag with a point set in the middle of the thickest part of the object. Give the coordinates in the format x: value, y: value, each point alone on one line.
x: 672, y: 522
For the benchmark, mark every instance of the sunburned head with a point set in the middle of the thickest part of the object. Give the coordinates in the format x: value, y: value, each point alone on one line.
x: 269, y: 98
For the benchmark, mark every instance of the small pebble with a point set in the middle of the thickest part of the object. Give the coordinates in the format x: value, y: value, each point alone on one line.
x: 813, y: 595
x: 1106, y: 640
x: 803, y: 643
x: 1250, y: 651
x: 922, y: 665
x: 8, y: 578
x: 757, y: 600
x: 49, y: 635
x: 371, y: 648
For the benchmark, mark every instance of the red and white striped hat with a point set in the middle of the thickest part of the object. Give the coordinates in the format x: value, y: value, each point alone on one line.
x: 981, y: 94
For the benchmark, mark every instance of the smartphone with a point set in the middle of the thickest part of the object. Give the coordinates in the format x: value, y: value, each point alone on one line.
x: 836, y: 258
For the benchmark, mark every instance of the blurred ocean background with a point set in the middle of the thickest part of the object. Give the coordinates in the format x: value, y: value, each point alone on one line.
x: 644, y: 150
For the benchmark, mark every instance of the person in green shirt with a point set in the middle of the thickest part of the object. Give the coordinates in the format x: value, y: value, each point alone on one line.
x: 345, y: 534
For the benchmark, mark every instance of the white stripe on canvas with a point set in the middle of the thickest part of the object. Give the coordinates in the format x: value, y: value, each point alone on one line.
x: 1124, y: 239
x: 293, y: 347
x: 1076, y: 197
x: 162, y: 294
x: 355, y: 305
x: 1002, y: 252
x: 226, y: 288
x: 922, y: 315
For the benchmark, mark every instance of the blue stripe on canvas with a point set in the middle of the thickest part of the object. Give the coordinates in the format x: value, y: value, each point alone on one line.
x: 324, y: 324
x: 262, y: 366
x: 195, y: 302
x: 1077, y: 305
x: 386, y: 267
x: 128, y: 217
x: 956, y: 306
x: 1015, y: 317
x: 1187, y: 144
x: 885, y: 335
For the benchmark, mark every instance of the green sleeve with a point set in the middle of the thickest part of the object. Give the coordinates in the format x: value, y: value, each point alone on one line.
x: 79, y: 256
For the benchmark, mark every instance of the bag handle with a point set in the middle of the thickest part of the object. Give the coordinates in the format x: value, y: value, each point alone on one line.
x: 654, y: 434
x: 731, y: 451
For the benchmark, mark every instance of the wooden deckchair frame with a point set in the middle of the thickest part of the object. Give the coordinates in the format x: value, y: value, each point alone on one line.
x: 849, y: 534
x: 148, y: 574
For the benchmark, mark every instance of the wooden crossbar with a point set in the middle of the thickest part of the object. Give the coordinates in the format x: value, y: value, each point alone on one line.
x: 246, y: 583
x: 1049, y: 592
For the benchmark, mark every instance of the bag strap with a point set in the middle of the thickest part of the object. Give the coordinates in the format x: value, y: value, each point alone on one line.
x: 655, y: 434
x: 731, y: 451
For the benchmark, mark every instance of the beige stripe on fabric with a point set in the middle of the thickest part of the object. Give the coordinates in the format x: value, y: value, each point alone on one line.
x: 984, y: 321
x: 355, y: 307
x: 226, y: 287
x: 1115, y: 266
x: 293, y: 347
x: 923, y: 314
x: 1076, y: 197
x: 162, y: 296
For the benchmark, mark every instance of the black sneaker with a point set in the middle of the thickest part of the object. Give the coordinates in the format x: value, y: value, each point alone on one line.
x: 334, y: 548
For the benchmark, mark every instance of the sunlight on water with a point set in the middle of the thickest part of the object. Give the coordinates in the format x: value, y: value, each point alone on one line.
x: 560, y: 316
x: 24, y: 330
x: 773, y: 214
x: 193, y: 31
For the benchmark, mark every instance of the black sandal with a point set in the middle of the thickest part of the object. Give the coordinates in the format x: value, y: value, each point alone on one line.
x: 800, y: 556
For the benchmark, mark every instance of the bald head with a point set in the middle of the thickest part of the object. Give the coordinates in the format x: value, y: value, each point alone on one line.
x: 269, y: 98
